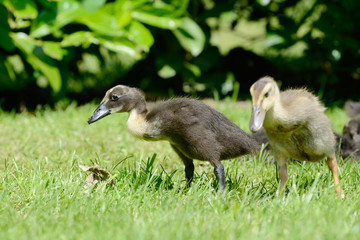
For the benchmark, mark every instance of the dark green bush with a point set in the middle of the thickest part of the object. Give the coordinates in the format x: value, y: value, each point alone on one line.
x: 73, y: 46
x: 51, y: 50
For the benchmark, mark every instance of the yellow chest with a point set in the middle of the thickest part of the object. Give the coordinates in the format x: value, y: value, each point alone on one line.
x: 136, y: 124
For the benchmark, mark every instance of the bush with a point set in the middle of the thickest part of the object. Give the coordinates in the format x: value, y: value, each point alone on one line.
x: 69, y: 46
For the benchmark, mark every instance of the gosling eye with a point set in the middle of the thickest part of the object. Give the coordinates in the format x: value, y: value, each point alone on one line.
x: 266, y: 94
x: 114, y: 97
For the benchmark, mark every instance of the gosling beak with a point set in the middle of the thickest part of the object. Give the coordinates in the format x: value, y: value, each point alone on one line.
x: 99, y: 113
x: 257, y: 118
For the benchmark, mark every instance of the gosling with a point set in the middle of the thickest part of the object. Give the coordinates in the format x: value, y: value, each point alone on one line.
x: 193, y: 129
x: 296, y: 126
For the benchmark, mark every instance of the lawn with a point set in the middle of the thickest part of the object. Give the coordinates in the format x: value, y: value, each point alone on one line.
x: 42, y: 194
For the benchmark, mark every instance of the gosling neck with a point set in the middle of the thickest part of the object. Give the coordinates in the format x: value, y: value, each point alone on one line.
x: 140, y: 106
x: 136, y: 123
x: 275, y: 112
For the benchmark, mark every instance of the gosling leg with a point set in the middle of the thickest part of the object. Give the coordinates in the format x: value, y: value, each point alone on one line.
x: 332, y: 164
x: 189, y: 166
x: 220, y: 175
x: 189, y: 173
x: 282, y: 168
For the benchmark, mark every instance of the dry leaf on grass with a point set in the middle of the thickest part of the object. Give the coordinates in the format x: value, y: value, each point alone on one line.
x: 97, y: 174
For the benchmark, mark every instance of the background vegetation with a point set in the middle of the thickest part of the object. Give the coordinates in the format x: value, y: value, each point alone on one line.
x: 56, y: 50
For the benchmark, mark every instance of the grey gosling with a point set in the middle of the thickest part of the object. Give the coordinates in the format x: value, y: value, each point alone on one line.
x: 193, y: 129
x: 350, y: 140
x: 296, y: 126
x: 352, y: 108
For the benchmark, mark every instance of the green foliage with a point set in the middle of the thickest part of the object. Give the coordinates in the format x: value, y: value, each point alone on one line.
x: 308, y: 42
x: 52, y: 36
x: 190, y: 36
x: 212, y: 48
x: 42, y: 194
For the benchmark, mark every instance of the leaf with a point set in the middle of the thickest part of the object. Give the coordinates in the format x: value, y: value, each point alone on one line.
x: 37, y: 59
x: 42, y: 25
x: 97, y: 174
x: 9, y: 70
x: 141, y: 35
x: 167, y: 72
x: 182, y: 6
x: 165, y: 22
x: 273, y: 40
x: 163, y: 11
x: 40, y: 30
x: 121, y: 46
x: 78, y: 38
x: 190, y: 36
x: 5, y: 40
x: 68, y: 11
x: 194, y: 69
x: 120, y: 10
x: 177, y: 7
x: 53, y: 50
x: 122, y: 14
x: 19, y: 23
x: 7, y: 74
x: 23, y: 42
x: 25, y: 9
x: 47, y: 68
x: 92, y: 6
x: 123, y: 19
x: 101, y: 22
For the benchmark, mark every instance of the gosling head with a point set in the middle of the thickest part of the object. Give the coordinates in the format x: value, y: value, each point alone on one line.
x: 118, y: 99
x: 263, y: 93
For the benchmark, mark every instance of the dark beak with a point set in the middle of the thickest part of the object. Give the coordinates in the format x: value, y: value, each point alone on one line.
x: 99, y: 113
x: 257, y: 119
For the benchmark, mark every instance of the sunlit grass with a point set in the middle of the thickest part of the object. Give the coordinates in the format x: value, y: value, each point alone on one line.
x: 42, y: 194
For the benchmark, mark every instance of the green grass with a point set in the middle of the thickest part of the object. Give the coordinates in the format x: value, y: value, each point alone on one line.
x: 42, y: 194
